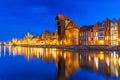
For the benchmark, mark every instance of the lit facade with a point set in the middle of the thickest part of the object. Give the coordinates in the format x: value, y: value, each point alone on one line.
x: 86, y: 35
x: 102, y: 33
x: 46, y: 38
x: 68, y: 32
x: 112, y: 32
x: 98, y: 31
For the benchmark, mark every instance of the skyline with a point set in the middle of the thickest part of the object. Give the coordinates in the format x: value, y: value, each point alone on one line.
x: 18, y: 17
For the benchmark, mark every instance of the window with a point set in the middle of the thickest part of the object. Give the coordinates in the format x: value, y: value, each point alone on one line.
x: 96, y: 34
x: 101, y: 34
x: 101, y: 29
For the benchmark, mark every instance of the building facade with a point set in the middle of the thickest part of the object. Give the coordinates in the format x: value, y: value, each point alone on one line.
x: 68, y: 32
x: 86, y: 35
x: 98, y: 31
x: 112, y: 32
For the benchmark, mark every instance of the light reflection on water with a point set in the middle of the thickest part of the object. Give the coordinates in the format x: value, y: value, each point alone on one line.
x: 69, y: 62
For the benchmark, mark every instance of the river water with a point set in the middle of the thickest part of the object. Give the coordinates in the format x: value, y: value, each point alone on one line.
x: 26, y: 63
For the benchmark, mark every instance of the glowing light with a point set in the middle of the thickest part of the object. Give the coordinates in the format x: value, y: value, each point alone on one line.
x: 64, y: 41
x: 0, y: 50
x: 9, y: 50
x: 80, y: 57
x: 101, y: 56
x: 101, y: 42
x: 96, y: 34
x: 89, y: 58
x: 4, y: 50
x: 119, y: 40
x: 108, y: 61
x: 64, y: 56
x: 14, y: 51
x: 96, y: 62
x: 117, y: 73
x: 114, y: 37
x: 115, y: 61
x: 119, y: 61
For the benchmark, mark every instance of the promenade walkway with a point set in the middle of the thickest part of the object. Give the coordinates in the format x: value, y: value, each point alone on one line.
x: 75, y: 47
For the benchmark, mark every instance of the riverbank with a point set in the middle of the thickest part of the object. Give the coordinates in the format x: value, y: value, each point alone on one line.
x: 75, y: 47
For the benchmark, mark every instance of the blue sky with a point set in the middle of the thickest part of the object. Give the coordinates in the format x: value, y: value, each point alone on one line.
x: 19, y: 16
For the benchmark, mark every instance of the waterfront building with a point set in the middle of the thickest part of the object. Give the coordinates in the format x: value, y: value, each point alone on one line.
x: 49, y: 38
x: 53, y: 38
x: 27, y: 38
x: 36, y: 39
x: 46, y: 37
x: 107, y: 33
x: 14, y: 41
x: 98, y: 31
x: 68, y: 32
x: 86, y: 35
x: 112, y: 32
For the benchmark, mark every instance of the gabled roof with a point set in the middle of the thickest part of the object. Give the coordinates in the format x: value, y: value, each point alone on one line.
x: 86, y: 28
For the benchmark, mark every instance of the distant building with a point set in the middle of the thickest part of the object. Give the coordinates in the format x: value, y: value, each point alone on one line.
x: 36, y: 40
x: 49, y: 38
x: 27, y: 38
x: 14, y: 41
x: 28, y: 35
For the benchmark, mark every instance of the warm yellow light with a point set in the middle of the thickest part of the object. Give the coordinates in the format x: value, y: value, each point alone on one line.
x: 114, y: 37
x: 101, y: 42
x: 119, y: 61
x: 89, y: 58
x: 96, y: 62
x: 119, y: 40
x: 108, y: 61
x: 64, y: 41
x: 101, y: 56
x: 107, y: 37
x: 115, y: 61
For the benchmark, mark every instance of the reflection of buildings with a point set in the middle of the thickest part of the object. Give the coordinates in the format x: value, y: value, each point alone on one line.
x: 108, y: 64
x: 68, y: 63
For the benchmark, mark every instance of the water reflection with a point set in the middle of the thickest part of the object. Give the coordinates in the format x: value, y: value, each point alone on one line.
x: 68, y: 62
x: 0, y: 50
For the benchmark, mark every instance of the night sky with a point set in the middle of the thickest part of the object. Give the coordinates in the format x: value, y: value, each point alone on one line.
x: 19, y: 16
